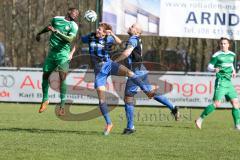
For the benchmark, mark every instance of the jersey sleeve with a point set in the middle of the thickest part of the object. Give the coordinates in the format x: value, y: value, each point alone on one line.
x: 212, y: 63
x: 132, y: 42
x: 111, y: 40
x: 74, y: 29
x: 85, y: 39
x: 52, y: 21
x: 213, y: 60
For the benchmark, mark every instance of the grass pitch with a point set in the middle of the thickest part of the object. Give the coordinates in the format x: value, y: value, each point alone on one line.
x: 27, y: 135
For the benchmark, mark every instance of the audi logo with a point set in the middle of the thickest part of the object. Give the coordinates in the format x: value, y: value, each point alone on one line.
x: 7, y: 81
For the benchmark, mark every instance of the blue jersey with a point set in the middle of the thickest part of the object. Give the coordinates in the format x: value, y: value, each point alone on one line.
x: 134, y: 63
x: 135, y: 58
x: 99, y: 48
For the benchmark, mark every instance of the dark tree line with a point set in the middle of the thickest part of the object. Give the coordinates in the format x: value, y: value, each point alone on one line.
x: 22, y: 19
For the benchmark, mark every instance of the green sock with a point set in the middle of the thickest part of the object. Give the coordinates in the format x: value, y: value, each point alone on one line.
x: 209, y: 109
x: 63, y: 91
x: 45, y: 87
x: 236, y: 116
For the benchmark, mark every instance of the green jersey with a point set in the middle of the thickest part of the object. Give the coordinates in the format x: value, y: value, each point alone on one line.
x: 66, y: 27
x: 225, y: 62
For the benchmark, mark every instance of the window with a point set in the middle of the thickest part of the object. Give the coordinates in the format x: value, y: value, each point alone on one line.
x: 153, y: 28
x: 129, y: 20
x: 143, y: 21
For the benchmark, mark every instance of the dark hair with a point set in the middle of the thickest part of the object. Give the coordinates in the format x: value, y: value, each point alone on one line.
x: 72, y: 8
x: 225, y: 38
x: 69, y: 13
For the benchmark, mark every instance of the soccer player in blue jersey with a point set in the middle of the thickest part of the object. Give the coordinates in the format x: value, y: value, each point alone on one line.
x: 64, y: 30
x: 100, y: 43
x: 133, y: 59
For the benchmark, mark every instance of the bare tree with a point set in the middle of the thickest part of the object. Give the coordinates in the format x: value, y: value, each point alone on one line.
x: 22, y: 19
x: 13, y: 31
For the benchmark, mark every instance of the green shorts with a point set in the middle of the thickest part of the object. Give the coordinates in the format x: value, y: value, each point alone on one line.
x: 56, y: 61
x: 224, y: 89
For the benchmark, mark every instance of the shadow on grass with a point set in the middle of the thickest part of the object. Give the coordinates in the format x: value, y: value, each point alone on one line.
x: 166, y: 126
x: 156, y: 125
x: 39, y: 131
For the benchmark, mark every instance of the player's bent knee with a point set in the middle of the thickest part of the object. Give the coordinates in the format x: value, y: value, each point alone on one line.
x: 101, y: 101
x: 128, y: 99
x: 101, y: 89
x: 124, y: 71
x: 130, y: 74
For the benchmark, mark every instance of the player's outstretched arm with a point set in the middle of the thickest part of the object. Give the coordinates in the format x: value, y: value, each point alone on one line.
x: 117, y: 39
x: 124, y: 54
x: 69, y: 38
x: 44, y: 30
x: 65, y: 37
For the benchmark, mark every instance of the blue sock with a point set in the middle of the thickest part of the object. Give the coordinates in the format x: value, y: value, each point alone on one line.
x: 104, y: 110
x: 164, y: 100
x: 129, y: 109
x: 140, y: 83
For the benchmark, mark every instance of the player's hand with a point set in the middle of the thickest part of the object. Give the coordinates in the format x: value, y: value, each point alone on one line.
x: 109, y: 32
x: 38, y: 37
x: 70, y: 57
x: 71, y: 53
x: 234, y: 75
x: 217, y: 70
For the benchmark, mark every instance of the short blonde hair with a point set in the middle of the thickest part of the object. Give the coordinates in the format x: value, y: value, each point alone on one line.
x: 105, y: 26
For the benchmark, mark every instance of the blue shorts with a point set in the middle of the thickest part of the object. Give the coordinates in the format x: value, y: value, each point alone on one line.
x: 103, y: 70
x: 131, y: 88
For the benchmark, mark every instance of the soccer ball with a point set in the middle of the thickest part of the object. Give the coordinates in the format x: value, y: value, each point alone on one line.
x: 90, y: 15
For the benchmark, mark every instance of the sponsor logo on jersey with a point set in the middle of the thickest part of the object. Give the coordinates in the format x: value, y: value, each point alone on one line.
x: 67, y: 28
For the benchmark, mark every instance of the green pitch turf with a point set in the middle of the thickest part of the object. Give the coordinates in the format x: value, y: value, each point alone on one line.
x: 27, y: 135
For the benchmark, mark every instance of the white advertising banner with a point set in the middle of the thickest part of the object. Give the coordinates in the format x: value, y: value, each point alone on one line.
x: 183, y: 90
x: 200, y: 19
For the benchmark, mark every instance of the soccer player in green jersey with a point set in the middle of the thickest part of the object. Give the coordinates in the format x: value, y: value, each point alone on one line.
x: 64, y: 30
x: 222, y: 63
